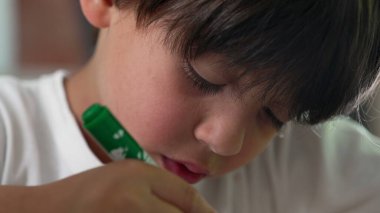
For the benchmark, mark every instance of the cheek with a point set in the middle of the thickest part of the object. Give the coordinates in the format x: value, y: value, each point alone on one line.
x: 141, y: 86
x: 150, y: 107
x: 159, y: 123
x: 164, y: 124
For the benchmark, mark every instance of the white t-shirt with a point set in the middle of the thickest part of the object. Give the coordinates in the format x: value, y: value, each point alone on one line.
x: 40, y: 140
x: 333, y: 167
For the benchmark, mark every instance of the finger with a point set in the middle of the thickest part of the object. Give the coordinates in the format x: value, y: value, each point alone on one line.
x: 159, y: 205
x: 169, y: 187
x: 179, y: 193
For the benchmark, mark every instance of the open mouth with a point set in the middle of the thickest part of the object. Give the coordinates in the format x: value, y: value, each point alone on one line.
x: 188, y: 172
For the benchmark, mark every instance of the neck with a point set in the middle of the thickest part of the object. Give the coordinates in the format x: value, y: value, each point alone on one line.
x: 81, y: 93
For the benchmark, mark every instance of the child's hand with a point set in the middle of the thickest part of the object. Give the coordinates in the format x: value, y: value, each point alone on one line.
x: 124, y: 186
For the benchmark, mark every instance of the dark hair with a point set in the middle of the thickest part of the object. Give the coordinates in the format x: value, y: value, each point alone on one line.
x: 320, y: 56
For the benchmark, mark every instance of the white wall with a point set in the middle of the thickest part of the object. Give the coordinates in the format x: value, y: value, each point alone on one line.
x: 8, y: 36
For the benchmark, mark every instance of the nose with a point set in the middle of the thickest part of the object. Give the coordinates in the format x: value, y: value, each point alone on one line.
x: 224, y: 133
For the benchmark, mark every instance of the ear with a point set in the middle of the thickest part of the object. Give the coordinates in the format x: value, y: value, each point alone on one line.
x: 97, y: 12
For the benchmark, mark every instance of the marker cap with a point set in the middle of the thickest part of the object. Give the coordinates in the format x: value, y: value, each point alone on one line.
x: 110, y: 134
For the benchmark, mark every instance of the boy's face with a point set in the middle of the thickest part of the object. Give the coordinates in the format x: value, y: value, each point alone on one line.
x: 192, y: 129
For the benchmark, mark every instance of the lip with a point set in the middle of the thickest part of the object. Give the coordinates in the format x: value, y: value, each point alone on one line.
x: 190, y: 172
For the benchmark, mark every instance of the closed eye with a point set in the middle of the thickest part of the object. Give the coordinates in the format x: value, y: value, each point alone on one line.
x: 275, y: 121
x: 199, y: 82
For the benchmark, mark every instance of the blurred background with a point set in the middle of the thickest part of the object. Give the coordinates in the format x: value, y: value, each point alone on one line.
x: 41, y: 36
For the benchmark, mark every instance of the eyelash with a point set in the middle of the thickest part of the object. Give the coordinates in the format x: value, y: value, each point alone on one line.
x: 200, y: 83
x: 275, y: 121
x: 209, y: 88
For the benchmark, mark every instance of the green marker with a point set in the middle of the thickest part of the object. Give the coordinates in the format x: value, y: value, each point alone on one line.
x: 111, y: 135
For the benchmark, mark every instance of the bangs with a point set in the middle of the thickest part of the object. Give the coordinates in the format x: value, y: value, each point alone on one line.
x: 317, y: 56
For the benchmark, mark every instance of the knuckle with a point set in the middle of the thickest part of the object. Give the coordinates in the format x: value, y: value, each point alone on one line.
x: 130, y: 167
x: 191, y: 198
x: 194, y: 202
